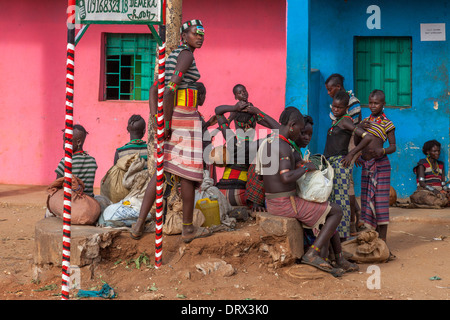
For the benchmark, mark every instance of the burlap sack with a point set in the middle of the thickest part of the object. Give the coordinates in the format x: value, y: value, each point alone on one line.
x: 424, y: 198
x: 112, y: 183
x: 84, y: 209
x: 174, y: 221
x: 367, y: 248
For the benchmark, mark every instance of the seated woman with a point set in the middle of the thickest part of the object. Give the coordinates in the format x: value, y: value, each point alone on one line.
x: 430, y: 175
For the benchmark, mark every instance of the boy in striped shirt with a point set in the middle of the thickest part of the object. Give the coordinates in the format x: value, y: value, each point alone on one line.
x: 136, y: 128
x: 84, y: 166
x: 334, y: 84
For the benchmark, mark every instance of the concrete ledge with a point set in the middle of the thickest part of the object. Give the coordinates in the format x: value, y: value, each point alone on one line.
x: 422, y: 215
x: 86, y: 243
x: 282, y: 237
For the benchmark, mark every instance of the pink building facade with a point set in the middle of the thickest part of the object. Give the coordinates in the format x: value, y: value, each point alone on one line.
x: 245, y: 43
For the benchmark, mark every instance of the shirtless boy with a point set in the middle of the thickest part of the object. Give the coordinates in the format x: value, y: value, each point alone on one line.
x: 282, y: 200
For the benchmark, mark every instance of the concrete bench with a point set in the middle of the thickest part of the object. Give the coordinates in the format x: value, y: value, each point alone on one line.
x: 282, y: 237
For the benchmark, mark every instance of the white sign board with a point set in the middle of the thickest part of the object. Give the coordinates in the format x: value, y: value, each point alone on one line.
x: 432, y: 32
x: 119, y: 11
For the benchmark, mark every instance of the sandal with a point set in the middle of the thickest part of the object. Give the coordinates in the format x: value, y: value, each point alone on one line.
x: 348, y: 267
x: 136, y: 235
x: 321, y: 264
x: 200, y: 232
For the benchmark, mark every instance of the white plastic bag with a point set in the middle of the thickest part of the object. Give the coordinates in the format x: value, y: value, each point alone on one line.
x: 316, y: 186
x: 120, y: 214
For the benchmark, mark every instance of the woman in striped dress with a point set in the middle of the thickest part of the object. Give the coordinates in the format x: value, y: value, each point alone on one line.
x: 431, y: 187
x: 183, y: 153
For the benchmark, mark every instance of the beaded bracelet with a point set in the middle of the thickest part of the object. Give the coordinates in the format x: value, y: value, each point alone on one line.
x: 168, y: 124
x: 172, y: 86
x: 260, y: 116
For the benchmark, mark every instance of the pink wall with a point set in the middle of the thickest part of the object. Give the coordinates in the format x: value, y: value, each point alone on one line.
x: 245, y: 43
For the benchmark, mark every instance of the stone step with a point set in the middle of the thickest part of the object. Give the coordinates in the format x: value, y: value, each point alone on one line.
x: 282, y: 238
x: 86, y: 243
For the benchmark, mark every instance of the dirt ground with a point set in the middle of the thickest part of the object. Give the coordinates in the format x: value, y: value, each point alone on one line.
x: 420, y: 272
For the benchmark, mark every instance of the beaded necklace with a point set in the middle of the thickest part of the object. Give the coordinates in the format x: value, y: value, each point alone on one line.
x: 435, y: 171
x: 377, y: 119
x: 291, y: 143
x: 337, y: 122
x: 184, y: 45
x: 136, y: 141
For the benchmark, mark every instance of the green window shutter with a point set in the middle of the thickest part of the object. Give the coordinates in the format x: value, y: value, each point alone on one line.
x: 130, y: 59
x: 384, y: 63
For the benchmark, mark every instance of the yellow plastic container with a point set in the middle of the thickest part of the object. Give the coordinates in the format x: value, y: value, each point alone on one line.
x: 211, y: 211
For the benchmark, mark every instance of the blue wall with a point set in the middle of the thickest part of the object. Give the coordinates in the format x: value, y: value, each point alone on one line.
x: 298, y: 54
x: 333, y: 24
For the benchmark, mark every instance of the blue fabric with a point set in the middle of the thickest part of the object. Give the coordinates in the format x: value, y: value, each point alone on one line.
x: 106, y: 292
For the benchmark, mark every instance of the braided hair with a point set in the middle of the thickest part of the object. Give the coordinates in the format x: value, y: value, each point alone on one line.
x: 136, y: 124
x: 290, y: 113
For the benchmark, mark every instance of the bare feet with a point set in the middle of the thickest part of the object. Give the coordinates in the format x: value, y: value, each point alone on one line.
x: 257, y: 208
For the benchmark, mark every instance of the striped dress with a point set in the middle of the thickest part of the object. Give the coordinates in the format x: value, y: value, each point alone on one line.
x: 183, y: 153
x: 434, y: 179
x: 376, y: 178
x: 375, y: 189
x: 84, y: 167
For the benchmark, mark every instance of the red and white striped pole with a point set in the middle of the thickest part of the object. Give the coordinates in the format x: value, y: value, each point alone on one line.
x: 68, y: 149
x: 160, y: 152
